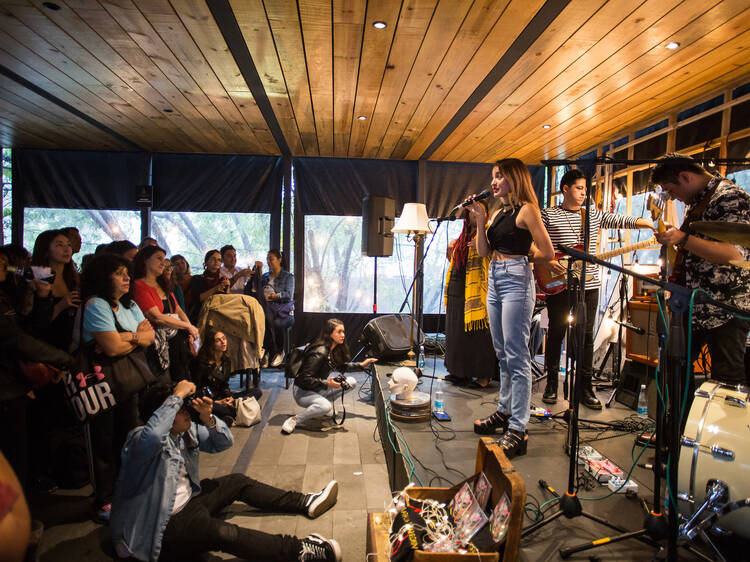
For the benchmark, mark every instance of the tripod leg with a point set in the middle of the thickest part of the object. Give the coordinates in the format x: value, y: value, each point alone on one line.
x: 619, y: 529
x: 611, y: 397
x: 566, y: 552
x: 541, y: 524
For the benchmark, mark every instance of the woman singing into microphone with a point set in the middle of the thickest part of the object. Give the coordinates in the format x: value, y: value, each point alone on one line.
x: 511, y: 294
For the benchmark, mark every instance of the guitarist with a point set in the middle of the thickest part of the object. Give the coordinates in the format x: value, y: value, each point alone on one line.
x: 705, y: 262
x: 565, y: 225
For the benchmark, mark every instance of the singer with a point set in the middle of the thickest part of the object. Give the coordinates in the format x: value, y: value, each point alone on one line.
x: 511, y: 294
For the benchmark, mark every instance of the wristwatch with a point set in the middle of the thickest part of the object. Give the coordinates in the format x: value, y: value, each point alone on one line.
x: 134, y: 339
x: 211, y: 421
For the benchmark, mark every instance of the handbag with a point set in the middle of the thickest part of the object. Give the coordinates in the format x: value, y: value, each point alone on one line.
x: 88, y: 390
x: 248, y: 412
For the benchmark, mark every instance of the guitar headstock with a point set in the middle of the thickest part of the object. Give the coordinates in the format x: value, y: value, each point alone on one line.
x: 656, y: 204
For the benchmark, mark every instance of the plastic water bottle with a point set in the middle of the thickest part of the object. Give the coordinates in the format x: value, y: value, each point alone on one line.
x: 438, y: 404
x: 642, y: 403
x: 420, y: 357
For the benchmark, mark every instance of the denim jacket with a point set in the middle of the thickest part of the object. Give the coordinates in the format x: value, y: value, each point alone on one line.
x: 283, y: 285
x: 147, y: 482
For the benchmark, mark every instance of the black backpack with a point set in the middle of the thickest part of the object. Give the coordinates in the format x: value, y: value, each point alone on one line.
x: 294, y: 362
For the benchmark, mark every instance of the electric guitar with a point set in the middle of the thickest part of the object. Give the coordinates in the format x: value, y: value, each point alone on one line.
x: 552, y: 284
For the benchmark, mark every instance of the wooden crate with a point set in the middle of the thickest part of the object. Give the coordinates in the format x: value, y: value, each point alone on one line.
x: 504, y: 479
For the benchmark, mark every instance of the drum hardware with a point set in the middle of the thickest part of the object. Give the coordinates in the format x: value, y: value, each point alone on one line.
x: 732, y: 232
x: 717, y: 451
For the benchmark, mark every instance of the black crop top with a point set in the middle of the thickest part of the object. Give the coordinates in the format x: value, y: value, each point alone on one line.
x: 506, y: 237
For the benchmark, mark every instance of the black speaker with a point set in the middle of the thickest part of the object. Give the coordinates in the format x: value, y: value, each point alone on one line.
x: 388, y: 337
x: 633, y: 375
x: 378, y: 215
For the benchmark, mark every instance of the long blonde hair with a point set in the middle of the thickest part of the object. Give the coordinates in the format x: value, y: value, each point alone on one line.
x: 517, y: 175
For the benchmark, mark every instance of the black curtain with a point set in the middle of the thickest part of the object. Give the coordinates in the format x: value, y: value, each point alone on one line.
x: 217, y: 183
x: 449, y: 183
x: 78, y: 179
x: 336, y: 186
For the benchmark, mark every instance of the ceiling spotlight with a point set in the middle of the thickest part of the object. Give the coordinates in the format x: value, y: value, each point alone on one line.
x: 51, y: 6
x: 379, y: 24
x: 546, y: 126
x: 711, y: 163
x: 362, y: 117
x: 672, y: 45
x: 167, y: 110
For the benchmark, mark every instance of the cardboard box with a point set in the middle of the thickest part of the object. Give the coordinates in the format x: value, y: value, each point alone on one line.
x: 504, y: 479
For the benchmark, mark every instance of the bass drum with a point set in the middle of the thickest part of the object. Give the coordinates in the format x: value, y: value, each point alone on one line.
x: 715, y: 447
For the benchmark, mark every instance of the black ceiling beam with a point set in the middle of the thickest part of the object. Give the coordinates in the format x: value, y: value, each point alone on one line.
x: 67, y: 107
x: 543, y: 18
x: 230, y: 29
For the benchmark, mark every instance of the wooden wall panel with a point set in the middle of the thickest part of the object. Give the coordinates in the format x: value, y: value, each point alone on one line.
x: 348, y: 28
x: 412, y: 25
x: 599, y: 68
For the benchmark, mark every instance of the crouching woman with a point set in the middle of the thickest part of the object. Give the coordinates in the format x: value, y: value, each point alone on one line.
x: 313, y: 389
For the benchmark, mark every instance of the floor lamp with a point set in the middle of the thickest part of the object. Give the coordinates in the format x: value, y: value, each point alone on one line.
x: 414, y: 221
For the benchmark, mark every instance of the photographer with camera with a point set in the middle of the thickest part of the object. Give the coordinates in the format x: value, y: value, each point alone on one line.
x: 312, y: 388
x: 162, y: 508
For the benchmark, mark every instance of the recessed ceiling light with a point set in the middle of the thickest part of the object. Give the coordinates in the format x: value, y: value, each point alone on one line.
x: 546, y: 126
x: 167, y: 110
x: 362, y: 117
x: 672, y: 45
x: 379, y: 24
x: 51, y: 6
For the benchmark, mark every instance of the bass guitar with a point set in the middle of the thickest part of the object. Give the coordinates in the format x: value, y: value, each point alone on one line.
x: 552, y: 284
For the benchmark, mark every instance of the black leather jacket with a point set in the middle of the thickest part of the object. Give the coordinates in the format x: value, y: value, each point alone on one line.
x: 316, y: 366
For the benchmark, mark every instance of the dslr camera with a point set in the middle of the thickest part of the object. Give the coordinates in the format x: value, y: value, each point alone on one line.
x: 341, y: 379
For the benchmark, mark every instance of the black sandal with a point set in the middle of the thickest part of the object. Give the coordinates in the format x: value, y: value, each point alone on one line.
x: 513, y: 443
x: 488, y: 425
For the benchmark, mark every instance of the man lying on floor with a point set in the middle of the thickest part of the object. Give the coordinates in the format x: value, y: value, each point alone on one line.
x: 160, y: 508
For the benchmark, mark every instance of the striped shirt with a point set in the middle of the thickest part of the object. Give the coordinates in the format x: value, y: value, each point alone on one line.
x: 565, y: 229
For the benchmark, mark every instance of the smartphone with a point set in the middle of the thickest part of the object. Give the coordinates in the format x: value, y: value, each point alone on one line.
x: 441, y: 416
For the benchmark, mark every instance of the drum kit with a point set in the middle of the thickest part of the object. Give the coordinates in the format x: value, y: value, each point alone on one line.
x: 712, y: 483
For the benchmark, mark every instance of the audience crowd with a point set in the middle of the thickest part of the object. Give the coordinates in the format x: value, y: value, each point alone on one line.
x: 131, y: 313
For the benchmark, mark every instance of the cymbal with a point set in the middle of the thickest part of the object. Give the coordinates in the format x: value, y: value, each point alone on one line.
x: 741, y: 263
x: 732, y: 232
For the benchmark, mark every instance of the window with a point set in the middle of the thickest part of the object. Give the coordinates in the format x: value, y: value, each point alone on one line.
x: 97, y: 226
x: 193, y: 234
x: 7, y: 197
x: 651, y: 148
x: 338, y: 278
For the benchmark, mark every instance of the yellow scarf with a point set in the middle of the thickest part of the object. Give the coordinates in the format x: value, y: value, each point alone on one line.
x: 475, y: 291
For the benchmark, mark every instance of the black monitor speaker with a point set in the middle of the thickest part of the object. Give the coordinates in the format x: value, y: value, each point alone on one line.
x: 378, y: 215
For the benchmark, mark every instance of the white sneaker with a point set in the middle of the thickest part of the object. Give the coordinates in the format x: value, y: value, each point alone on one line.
x: 320, y: 502
x: 277, y: 360
x: 289, y: 425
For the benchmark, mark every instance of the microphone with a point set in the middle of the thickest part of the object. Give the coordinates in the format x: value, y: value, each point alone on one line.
x: 483, y: 195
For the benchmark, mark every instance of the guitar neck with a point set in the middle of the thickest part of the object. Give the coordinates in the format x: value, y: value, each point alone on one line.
x: 624, y: 250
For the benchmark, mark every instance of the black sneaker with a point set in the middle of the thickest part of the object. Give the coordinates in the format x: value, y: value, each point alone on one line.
x: 315, y: 547
x: 318, y: 503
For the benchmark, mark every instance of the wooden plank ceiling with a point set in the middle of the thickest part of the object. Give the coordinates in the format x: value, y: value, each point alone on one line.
x: 457, y: 80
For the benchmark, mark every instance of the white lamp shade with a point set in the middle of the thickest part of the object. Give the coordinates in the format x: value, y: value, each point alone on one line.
x: 413, y: 219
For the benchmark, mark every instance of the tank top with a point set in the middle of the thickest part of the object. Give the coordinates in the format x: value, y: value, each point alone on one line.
x: 506, y: 237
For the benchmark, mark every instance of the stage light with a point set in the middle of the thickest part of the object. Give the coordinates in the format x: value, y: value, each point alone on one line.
x: 570, y: 318
x: 379, y: 24
x: 711, y: 163
x: 545, y: 126
x: 672, y: 45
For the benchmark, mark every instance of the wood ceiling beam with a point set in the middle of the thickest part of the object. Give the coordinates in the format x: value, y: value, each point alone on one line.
x: 230, y: 30
x: 5, y: 71
x: 539, y: 23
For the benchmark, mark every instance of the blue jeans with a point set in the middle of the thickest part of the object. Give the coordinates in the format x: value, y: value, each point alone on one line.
x: 318, y: 404
x: 510, y: 303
